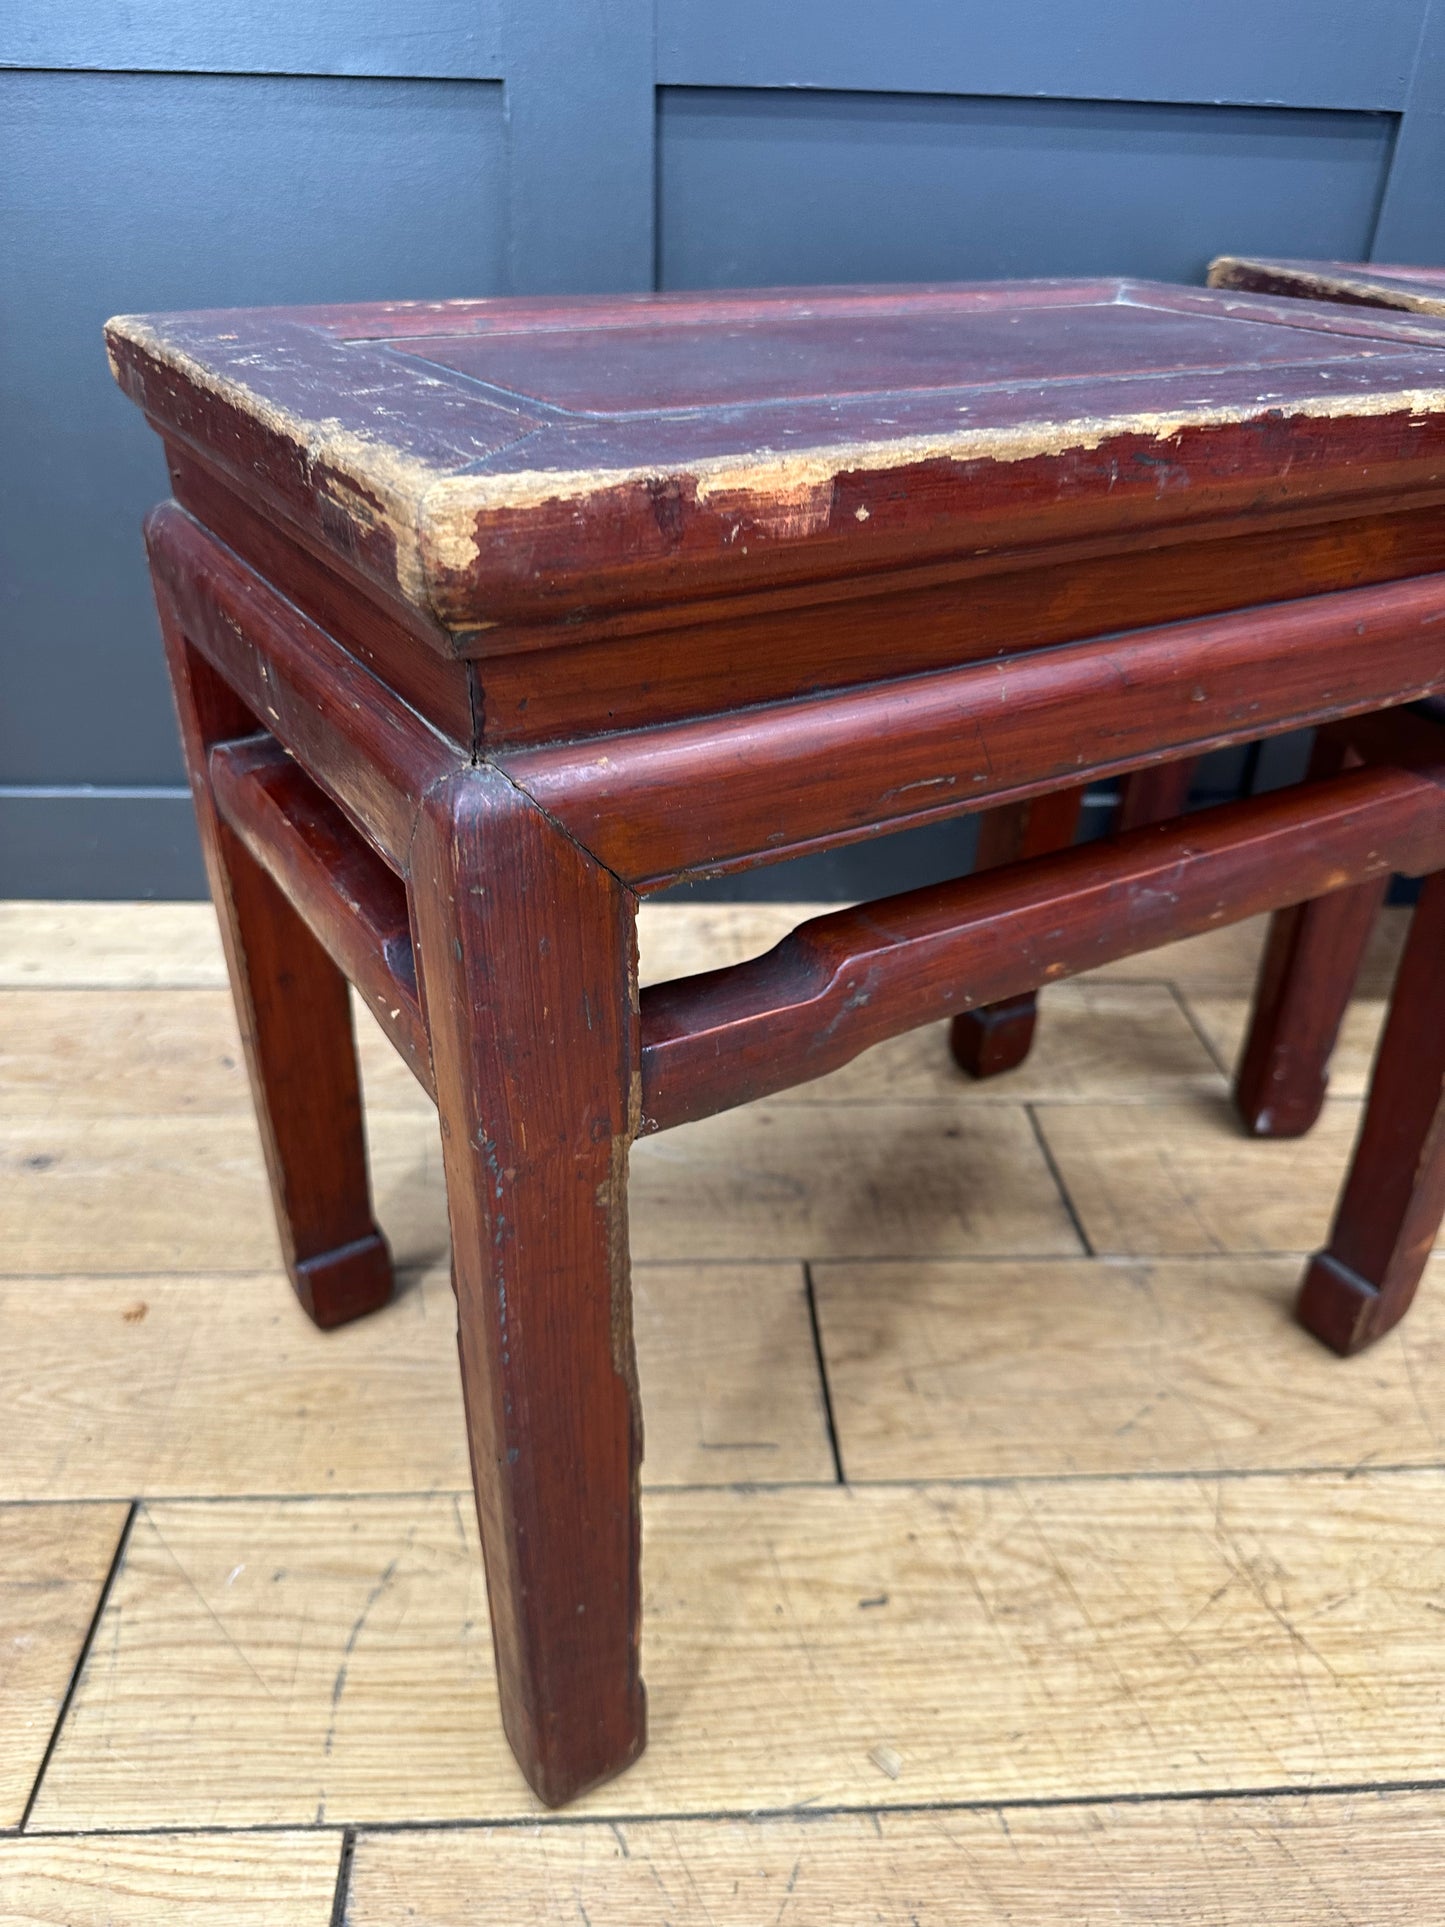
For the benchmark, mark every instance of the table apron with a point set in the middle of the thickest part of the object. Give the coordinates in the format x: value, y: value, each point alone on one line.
x: 725, y: 792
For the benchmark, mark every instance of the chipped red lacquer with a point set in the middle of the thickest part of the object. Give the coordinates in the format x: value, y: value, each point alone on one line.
x: 485, y: 617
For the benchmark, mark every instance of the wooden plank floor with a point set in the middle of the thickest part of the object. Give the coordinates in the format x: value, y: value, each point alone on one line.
x: 1010, y: 1555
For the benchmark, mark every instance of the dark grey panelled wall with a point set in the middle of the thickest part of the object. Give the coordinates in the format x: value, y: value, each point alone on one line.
x: 188, y: 155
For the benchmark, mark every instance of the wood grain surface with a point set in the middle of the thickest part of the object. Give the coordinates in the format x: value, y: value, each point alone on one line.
x: 1172, y: 1365
x: 284, y: 1663
x: 123, y: 1053
x: 1178, y: 1178
x: 1228, y: 1863
x: 186, y: 1880
x: 113, y: 1193
x: 216, y: 1385
x: 120, y: 946
x: 1223, y: 1020
x: 54, y: 1561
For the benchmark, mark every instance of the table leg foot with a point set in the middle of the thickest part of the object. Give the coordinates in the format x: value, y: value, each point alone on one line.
x: 1394, y: 1197
x: 1337, y: 1306
x: 998, y: 1038
x: 336, y: 1286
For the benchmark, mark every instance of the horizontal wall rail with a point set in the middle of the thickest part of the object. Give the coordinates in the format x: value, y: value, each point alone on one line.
x: 719, y: 791
x: 843, y: 982
x: 352, y: 902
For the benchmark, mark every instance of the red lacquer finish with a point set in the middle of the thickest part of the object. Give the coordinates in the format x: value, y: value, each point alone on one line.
x: 485, y: 616
x: 849, y: 980
x: 998, y: 1036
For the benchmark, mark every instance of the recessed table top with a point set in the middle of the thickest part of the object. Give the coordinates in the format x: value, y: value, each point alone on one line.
x: 510, y: 462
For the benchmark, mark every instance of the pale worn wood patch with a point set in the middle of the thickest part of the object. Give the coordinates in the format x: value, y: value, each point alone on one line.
x: 1224, y: 1021
x: 942, y: 1371
x: 1354, y: 1860
x: 220, y: 1384
x: 139, y: 944
x: 110, y: 944
x: 273, y: 1663
x: 847, y: 1181
x: 168, y: 1192
x: 731, y: 1390
x: 145, y: 1051
x: 186, y: 1880
x: 53, y: 1564
x: 120, y: 1053
x: 676, y: 939
x: 1154, y: 1180
x: 152, y: 1193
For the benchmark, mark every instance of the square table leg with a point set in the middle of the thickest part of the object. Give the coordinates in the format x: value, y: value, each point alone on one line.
x: 1307, y: 975
x: 1394, y: 1198
x: 998, y: 1037
x: 294, y: 1010
x: 527, y: 959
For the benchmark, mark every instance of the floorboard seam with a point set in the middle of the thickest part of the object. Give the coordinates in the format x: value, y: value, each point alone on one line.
x: 1046, y: 1152
x: 342, y: 1896
x: 1187, y: 1011
x: 63, y: 1711
x: 828, y: 1416
x: 1184, y: 1796
x: 1200, y: 1474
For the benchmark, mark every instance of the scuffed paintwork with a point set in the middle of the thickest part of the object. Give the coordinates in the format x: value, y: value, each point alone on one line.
x: 789, y: 493
x: 376, y: 486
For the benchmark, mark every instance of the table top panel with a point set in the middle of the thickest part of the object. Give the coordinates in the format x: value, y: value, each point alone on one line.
x: 663, y: 366
x: 505, y: 464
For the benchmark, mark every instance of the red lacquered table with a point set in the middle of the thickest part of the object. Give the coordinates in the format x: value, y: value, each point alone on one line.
x: 487, y: 617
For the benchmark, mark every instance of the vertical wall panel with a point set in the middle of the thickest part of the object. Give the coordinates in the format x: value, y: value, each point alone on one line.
x: 580, y: 129
x: 1306, y: 53
x: 1412, y: 220
x: 782, y: 186
x: 127, y: 192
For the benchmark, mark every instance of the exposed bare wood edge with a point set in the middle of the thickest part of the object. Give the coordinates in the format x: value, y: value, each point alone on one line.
x: 352, y: 902
x: 795, y: 777
x: 288, y: 671
x: 1335, y: 282
x: 234, y: 506
x: 843, y: 982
